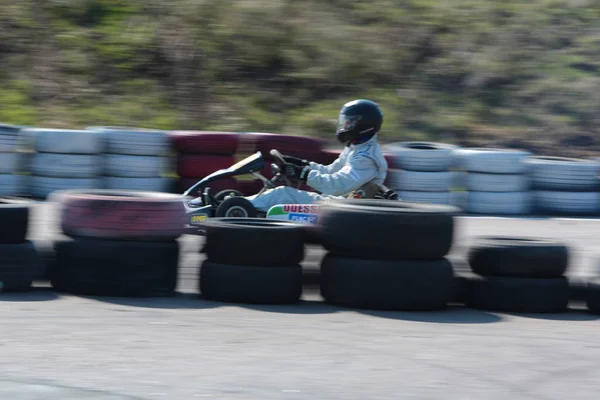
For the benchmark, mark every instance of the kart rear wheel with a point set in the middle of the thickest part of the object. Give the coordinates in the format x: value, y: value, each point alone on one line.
x: 224, y: 193
x: 237, y: 207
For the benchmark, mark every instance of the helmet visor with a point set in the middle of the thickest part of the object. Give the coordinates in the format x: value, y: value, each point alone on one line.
x: 347, y: 122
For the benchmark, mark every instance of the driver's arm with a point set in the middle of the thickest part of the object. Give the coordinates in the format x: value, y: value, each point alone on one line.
x: 360, y: 170
x: 331, y: 168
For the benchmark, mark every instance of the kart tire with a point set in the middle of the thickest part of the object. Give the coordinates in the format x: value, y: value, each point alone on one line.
x: 65, y: 141
x: 95, y: 267
x: 241, y: 241
x: 422, y: 156
x: 121, y: 165
x: 394, y: 230
x: 133, y: 141
x: 121, y: 215
x: 237, y: 207
x: 199, y: 142
x: 20, y: 264
x: 43, y: 186
x: 520, y: 295
x: 564, y: 174
x: 14, y: 215
x: 518, y: 257
x: 250, y: 284
x: 387, y: 285
x: 66, y: 165
x: 492, y: 160
x: 154, y: 184
x: 191, y: 165
x: 592, y: 295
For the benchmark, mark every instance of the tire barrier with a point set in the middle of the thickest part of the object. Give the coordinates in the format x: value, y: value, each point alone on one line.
x: 496, y: 181
x: 422, y: 172
x: 518, y: 275
x: 11, y: 162
x: 236, y: 270
x: 64, y: 159
x: 120, y: 243
x: 20, y: 262
x: 135, y: 159
x: 565, y: 185
x: 400, y: 265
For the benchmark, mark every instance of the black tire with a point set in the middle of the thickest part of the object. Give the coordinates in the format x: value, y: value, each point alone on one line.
x: 96, y: 267
x: 254, y: 242
x: 221, y: 195
x: 518, y: 257
x: 249, y: 284
x: 592, y: 295
x: 236, y: 207
x: 520, y: 295
x: 14, y: 215
x: 386, y: 230
x: 19, y: 265
x: 387, y: 285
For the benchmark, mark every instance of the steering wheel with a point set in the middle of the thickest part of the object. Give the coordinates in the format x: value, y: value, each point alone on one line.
x: 281, y: 161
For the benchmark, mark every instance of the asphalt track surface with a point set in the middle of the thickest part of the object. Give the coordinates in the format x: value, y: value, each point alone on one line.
x: 56, y: 346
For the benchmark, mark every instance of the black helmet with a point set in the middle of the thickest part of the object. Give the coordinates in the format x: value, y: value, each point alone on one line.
x: 359, y: 121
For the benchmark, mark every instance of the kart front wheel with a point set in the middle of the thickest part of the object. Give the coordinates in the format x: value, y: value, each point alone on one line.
x: 238, y: 207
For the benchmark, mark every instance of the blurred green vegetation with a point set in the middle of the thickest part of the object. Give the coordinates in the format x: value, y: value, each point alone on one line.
x: 472, y: 72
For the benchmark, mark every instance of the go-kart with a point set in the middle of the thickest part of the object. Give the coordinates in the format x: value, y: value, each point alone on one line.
x: 232, y: 203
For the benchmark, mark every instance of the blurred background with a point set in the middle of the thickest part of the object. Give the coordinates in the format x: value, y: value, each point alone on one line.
x: 520, y: 74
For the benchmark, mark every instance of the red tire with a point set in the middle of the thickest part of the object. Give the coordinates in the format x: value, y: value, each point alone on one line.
x: 327, y: 157
x: 286, y: 144
x: 199, y: 142
x: 121, y: 215
x: 191, y: 165
x: 215, y: 186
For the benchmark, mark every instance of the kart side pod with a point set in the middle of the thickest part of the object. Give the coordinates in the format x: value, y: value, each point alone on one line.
x: 298, y: 213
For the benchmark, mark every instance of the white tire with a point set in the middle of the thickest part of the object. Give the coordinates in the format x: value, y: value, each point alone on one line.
x: 422, y: 156
x: 65, y: 141
x: 9, y: 138
x: 420, y: 181
x: 510, y: 203
x: 492, y: 161
x: 155, y: 184
x: 569, y: 174
x: 448, y: 198
x: 66, y: 165
x: 134, y: 141
x: 42, y: 186
x: 13, y: 185
x: 9, y: 162
x: 135, y: 166
x: 497, y: 182
x: 567, y: 202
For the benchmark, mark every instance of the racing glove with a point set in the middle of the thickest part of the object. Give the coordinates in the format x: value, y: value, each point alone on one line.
x: 296, y: 172
x: 296, y: 161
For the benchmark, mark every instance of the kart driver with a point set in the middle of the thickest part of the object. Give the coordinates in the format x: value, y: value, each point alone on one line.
x: 360, y: 165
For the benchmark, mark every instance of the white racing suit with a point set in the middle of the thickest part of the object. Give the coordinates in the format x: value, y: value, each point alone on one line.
x: 357, y: 165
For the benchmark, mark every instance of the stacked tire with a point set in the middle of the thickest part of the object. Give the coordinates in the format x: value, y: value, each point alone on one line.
x: 200, y: 153
x: 20, y: 261
x: 496, y: 181
x: 519, y: 275
x: 136, y: 159
x: 118, y: 243
x: 565, y: 185
x: 239, y: 268
x: 12, y: 183
x: 386, y: 255
x: 64, y: 159
x: 423, y: 172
